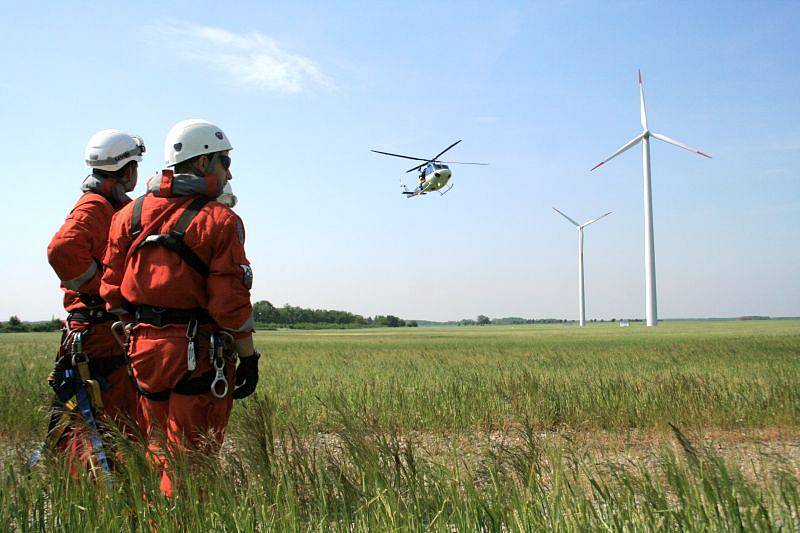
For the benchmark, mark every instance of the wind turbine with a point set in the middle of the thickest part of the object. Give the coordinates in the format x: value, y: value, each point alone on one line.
x: 649, y: 245
x: 581, y: 293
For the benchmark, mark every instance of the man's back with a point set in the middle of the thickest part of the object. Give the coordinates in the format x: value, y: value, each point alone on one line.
x: 152, y: 275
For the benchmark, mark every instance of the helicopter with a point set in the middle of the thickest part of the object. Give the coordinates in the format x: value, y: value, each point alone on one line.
x: 433, y: 174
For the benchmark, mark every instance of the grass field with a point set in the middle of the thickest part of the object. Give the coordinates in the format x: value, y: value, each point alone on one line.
x: 691, y: 426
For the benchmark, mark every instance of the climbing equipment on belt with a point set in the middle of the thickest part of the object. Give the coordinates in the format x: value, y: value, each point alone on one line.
x: 212, y: 380
x: 76, y: 389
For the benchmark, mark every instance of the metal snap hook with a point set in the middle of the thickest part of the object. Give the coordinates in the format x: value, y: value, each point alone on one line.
x: 219, y: 378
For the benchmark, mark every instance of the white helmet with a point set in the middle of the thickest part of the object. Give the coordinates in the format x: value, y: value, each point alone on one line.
x: 227, y: 198
x: 113, y: 149
x: 193, y: 137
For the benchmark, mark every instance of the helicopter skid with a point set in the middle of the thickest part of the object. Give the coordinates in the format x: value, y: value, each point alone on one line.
x: 445, y: 191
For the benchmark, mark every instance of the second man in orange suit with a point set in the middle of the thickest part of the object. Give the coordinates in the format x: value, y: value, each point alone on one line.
x: 76, y: 253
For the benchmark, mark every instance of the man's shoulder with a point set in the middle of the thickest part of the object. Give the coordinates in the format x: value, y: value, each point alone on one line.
x: 92, y: 204
x: 219, y: 219
x: 219, y: 213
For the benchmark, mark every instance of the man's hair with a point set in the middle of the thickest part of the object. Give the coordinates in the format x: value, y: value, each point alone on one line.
x: 116, y: 174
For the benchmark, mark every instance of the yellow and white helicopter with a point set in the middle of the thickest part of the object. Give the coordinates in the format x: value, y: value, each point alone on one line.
x: 433, y: 174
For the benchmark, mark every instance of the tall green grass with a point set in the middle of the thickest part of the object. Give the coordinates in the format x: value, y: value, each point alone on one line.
x: 363, y: 478
x: 379, y: 430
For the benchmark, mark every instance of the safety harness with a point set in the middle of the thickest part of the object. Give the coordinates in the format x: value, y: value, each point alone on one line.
x: 214, y: 379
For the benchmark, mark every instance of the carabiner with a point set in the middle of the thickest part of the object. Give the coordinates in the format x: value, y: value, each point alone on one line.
x: 120, y: 337
x: 191, y: 333
x: 77, y: 348
x: 218, y: 362
x: 219, y: 378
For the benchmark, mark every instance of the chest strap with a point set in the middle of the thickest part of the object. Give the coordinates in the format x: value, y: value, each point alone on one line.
x: 174, y: 240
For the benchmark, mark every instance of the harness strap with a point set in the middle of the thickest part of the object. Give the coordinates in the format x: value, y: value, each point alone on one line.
x: 91, y: 316
x: 161, y: 316
x: 173, y: 240
x: 136, y: 217
x: 187, y: 387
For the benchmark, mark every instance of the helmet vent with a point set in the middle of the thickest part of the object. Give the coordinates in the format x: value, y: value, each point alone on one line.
x: 206, y: 146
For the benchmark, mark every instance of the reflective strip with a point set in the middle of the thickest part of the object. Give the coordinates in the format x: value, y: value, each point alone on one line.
x: 117, y: 311
x: 74, y: 284
x: 248, y: 325
x: 139, y: 150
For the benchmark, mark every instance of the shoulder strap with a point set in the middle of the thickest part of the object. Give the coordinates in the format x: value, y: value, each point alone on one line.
x: 188, y: 215
x: 136, y: 217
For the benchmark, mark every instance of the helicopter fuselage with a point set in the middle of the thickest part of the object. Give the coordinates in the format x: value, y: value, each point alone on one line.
x: 436, y: 176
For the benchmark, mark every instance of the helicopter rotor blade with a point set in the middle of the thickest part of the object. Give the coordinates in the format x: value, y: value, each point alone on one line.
x: 460, y: 163
x: 417, y: 167
x: 437, y: 156
x: 398, y: 155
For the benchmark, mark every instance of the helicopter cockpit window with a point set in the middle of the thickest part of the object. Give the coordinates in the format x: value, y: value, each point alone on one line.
x: 429, y: 168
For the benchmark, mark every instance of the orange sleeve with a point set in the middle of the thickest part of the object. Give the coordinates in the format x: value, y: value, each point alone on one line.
x: 114, y: 262
x: 78, y: 243
x: 230, y: 279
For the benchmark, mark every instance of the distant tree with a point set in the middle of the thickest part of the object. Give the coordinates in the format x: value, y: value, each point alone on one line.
x: 483, y: 320
x: 14, y: 324
x: 411, y: 323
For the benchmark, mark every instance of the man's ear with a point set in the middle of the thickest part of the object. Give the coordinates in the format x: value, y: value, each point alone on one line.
x: 202, y: 163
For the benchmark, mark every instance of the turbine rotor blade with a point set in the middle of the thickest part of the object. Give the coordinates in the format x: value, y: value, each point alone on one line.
x: 595, y: 220
x: 398, y: 155
x: 627, y: 146
x: 642, y: 111
x: 679, y: 144
x: 565, y: 216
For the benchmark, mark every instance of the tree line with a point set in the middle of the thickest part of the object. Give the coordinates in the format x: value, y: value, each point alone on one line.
x: 267, y: 315
x: 15, y: 325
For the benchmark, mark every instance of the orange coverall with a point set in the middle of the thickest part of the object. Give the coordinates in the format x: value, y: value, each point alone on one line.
x: 75, y: 253
x: 158, y: 277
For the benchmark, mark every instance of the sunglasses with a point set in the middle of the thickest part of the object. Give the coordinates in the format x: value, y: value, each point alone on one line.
x: 225, y: 161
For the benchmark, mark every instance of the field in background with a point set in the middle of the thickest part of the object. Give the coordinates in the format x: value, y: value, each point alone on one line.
x: 691, y: 424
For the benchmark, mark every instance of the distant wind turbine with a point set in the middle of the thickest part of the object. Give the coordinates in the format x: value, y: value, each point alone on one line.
x: 581, y: 293
x: 649, y: 245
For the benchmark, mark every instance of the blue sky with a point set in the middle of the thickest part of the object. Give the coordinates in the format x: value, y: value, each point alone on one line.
x: 542, y: 91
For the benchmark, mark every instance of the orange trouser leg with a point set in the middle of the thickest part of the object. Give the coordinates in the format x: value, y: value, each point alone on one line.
x: 186, y: 422
x: 120, y: 400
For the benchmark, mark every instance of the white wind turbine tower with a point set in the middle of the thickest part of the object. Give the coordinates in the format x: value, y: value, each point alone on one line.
x: 581, y: 292
x: 649, y: 245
